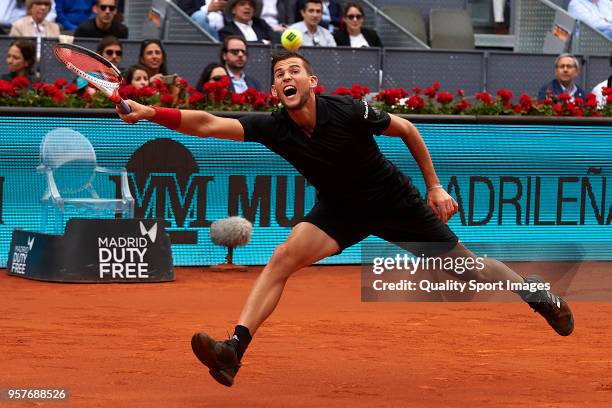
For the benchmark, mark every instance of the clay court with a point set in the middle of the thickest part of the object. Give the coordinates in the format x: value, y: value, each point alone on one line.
x: 127, y: 345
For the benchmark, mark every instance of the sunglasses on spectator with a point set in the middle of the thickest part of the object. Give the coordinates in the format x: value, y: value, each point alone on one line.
x: 105, y: 7
x: 113, y: 52
x: 236, y: 51
x: 354, y: 16
x: 217, y: 78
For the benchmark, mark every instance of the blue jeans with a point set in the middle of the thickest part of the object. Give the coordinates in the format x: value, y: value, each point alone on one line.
x: 202, y: 19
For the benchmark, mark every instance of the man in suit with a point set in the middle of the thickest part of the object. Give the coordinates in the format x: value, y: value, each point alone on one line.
x: 234, y: 55
x: 242, y: 20
x: 567, y: 69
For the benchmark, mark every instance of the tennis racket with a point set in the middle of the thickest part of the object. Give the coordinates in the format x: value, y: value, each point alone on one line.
x: 95, y: 69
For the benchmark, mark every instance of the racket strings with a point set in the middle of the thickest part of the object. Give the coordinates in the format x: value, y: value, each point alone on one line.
x: 88, y: 64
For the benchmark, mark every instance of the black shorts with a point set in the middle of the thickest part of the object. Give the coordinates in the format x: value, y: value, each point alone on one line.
x: 407, y: 220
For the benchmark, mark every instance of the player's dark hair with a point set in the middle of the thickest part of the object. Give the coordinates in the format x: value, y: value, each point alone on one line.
x: 28, y: 50
x: 283, y: 55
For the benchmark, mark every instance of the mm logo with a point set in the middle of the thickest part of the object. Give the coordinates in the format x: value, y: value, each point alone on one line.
x: 166, y: 185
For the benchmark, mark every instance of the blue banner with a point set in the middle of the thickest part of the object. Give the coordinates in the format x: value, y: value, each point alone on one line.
x: 514, y: 183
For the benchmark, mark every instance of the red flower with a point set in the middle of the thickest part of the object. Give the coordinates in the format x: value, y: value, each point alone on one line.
x: 505, y: 95
x: 564, y: 97
x: 341, y: 91
x: 430, y: 92
x: 484, y: 97
x: 445, y: 97
x: 415, y: 102
x: 71, y: 89
x: 416, y: 90
x: 391, y: 96
x: 6, y: 88
x: 238, y: 99
x: 358, y: 91
x: 609, y: 99
x: 145, y: 92
x: 460, y: 93
x: 557, y: 109
x: 166, y: 99
x: 60, y: 83
x: 196, y: 97
x: 590, y: 104
x: 20, y: 82
x: 318, y: 90
x: 436, y: 85
x: 461, y: 106
x: 606, y: 91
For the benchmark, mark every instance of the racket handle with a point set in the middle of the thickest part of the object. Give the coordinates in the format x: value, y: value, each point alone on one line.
x: 124, y: 107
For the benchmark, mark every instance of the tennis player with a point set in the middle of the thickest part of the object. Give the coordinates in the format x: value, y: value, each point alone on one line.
x: 329, y: 139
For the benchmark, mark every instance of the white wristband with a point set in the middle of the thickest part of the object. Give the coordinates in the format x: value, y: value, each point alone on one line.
x: 434, y: 187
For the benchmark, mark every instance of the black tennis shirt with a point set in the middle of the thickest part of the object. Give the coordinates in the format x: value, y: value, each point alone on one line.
x: 341, y: 158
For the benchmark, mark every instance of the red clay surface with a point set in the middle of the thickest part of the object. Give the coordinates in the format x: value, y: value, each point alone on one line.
x: 127, y: 345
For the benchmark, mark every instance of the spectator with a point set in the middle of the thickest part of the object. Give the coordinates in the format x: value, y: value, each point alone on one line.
x: 35, y: 23
x: 137, y: 76
x: 598, y: 89
x: 279, y: 14
x: 11, y: 11
x: 213, y: 72
x: 71, y: 13
x: 234, y: 56
x: 111, y: 48
x: 354, y: 34
x: 20, y: 59
x: 331, y: 17
x: 312, y: 33
x: 207, y: 13
x: 596, y: 13
x: 104, y: 23
x: 152, y: 56
x: 498, y: 16
x: 242, y: 20
x: 566, y: 72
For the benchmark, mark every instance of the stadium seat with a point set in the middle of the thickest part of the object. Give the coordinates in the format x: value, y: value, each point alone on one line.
x: 451, y: 29
x: 410, y: 18
x: 68, y: 161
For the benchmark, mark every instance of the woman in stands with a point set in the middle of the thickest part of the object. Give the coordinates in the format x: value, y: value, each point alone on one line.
x: 20, y: 60
x: 353, y: 33
x: 137, y: 76
x: 213, y: 72
x: 153, y: 58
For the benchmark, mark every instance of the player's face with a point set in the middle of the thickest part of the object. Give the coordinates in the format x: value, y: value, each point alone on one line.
x: 292, y: 83
x: 312, y: 14
x: 15, y: 61
x: 113, y: 53
x: 152, y: 57
x: 566, y: 70
x: 105, y: 11
x: 140, y: 79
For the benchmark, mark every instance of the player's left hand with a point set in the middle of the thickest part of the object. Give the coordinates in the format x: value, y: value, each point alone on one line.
x: 442, y: 204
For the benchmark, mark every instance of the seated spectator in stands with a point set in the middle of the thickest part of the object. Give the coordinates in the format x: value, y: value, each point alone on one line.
x: 207, y: 13
x: 111, y: 48
x: 234, y: 55
x: 11, y: 11
x: 104, y: 23
x: 354, y: 34
x: 331, y: 17
x: 71, y: 13
x: 279, y: 14
x: 312, y: 33
x: 567, y: 69
x: 596, y: 13
x: 136, y: 76
x: 213, y: 72
x: 20, y: 59
x: 242, y: 19
x: 35, y: 23
x: 598, y: 89
x: 152, y: 56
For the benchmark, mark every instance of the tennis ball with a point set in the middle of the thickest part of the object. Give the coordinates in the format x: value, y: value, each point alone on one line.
x: 291, y: 39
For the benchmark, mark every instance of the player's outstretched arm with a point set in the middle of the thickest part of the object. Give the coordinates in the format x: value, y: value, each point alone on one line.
x: 190, y: 122
x: 437, y: 198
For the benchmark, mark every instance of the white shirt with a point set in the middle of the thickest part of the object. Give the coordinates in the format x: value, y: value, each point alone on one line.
x: 597, y: 14
x: 215, y: 18
x: 321, y: 37
x: 247, y: 30
x: 358, y: 41
x: 269, y: 12
x: 598, y: 91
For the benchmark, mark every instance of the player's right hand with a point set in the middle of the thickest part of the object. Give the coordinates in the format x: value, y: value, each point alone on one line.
x: 138, y: 112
